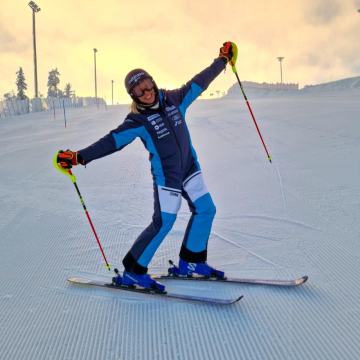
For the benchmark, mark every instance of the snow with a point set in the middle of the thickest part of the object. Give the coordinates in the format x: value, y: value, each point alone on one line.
x: 296, y: 216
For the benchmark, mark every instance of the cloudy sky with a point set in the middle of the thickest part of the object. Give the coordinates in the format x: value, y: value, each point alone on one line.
x: 175, y: 39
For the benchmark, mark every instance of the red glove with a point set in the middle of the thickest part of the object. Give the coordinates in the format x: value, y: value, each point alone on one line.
x: 226, y: 51
x: 67, y: 159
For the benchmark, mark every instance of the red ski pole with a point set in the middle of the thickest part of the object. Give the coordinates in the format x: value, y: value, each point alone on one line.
x: 73, y: 179
x: 251, y: 112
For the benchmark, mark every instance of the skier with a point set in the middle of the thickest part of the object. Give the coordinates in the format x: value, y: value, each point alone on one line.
x: 157, y: 117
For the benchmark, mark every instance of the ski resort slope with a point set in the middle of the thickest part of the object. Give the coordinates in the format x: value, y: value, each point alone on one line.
x: 296, y: 216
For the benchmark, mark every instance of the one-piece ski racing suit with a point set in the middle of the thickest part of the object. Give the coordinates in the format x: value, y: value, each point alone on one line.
x: 175, y: 169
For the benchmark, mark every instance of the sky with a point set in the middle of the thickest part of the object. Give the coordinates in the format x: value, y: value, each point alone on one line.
x: 175, y: 39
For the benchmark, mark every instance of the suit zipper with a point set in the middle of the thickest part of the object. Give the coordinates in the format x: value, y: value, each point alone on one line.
x: 176, y: 139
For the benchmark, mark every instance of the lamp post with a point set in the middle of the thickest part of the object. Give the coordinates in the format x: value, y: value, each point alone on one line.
x: 281, y: 58
x: 96, y: 98
x: 35, y: 9
x: 112, y: 92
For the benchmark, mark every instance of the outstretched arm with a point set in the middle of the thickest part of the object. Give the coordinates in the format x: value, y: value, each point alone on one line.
x: 114, y: 141
x: 184, y: 96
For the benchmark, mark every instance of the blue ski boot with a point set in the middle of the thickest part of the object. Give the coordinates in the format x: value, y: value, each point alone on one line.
x: 188, y: 269
x: 117, y: 280
x: 144, y: 281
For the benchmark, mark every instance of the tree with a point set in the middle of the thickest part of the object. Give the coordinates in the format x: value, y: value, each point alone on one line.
x: 10, y: 96
x: 53, y: 82
x: 67, y: 91
x: 21, y: 84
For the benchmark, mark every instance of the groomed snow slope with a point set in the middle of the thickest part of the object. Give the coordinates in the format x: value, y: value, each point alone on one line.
x: 299, y: 215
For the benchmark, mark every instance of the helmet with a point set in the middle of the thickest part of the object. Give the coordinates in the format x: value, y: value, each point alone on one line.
x: 133, y: 78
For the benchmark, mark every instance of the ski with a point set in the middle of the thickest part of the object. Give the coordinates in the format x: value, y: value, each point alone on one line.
x: 203, y: 299
x: 272, y: 282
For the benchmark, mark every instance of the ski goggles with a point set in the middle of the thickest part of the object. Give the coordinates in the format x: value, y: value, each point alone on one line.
x: 145, y: 85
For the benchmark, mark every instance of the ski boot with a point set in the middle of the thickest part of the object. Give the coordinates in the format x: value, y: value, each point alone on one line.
x: 143, y: 281
x: 188, y: 269
x: 117, y: 280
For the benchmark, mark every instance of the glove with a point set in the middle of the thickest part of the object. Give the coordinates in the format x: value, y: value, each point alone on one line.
x: 67, y: 159
x: 229, y: 52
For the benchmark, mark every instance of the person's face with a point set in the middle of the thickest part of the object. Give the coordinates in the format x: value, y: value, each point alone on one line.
x: 145, y: 91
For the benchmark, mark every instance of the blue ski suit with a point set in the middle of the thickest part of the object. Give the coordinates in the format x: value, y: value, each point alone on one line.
x: 175, y: 169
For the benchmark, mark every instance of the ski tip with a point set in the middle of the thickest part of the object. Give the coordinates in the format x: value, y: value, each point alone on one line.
x: 234, y: 301
x: 75, y: 280
x: 224, y: 301
x: 302, y: 280
x: 78, y: 280
x: 239, y: 298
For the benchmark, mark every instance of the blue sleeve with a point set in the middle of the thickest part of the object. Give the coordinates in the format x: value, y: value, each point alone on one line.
x: 184, y: 96
x: 114, y: 141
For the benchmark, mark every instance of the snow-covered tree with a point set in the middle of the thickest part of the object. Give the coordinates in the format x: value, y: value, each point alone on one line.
x: 21, y: 84
x: 53, y: 82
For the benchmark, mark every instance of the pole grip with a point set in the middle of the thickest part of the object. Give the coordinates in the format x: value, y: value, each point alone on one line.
x: 66, y: 172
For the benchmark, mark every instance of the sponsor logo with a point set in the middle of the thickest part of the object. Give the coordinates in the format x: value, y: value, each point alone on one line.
x: 163, y: 135
x: 134, y: 79
x: 162, y: 131
x: 153, y: 117
x: 157, y: 121
x: 174, y: 115
x: 159, y: 126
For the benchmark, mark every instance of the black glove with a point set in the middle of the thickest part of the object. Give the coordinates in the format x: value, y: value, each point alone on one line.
x: 229, y: 52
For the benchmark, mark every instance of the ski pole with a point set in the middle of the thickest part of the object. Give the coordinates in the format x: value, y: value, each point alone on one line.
x: 72, y: 177
x: 251, y: 112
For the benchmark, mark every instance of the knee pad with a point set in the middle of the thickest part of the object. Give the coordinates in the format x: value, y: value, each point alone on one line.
x: 205, y: 206
x: 167, y: 221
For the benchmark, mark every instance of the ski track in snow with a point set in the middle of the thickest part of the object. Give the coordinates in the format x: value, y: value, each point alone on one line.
x: 246, y: 249
x: 298, y: 215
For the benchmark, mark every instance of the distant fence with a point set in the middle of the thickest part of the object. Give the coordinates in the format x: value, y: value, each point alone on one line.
x: 13, y: 106
x: 256, y: 90
x: 271, y: 86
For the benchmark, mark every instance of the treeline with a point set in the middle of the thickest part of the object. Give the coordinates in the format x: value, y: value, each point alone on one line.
x: 52, y: 86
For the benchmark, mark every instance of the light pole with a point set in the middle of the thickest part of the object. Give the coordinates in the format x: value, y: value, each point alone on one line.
x: 35, y: 9
x: 96, y: 98
x: 112, y: 92
x: 281, y: 58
